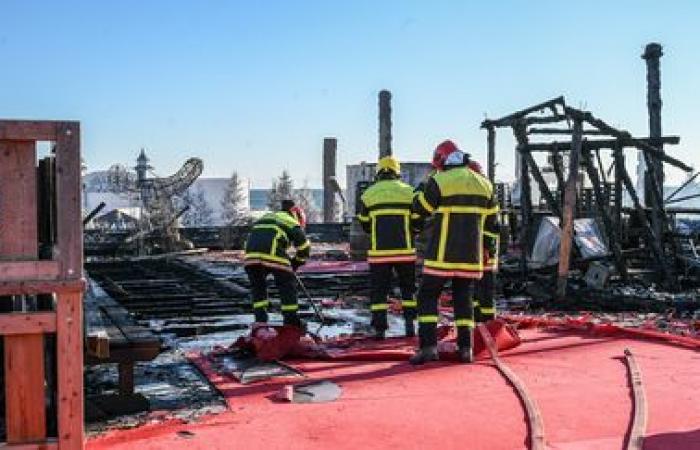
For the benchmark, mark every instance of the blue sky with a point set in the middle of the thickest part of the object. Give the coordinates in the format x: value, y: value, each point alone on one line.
x: 255, y: 86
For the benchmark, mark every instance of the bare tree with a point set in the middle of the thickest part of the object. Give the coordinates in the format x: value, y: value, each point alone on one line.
x: 305, y: 199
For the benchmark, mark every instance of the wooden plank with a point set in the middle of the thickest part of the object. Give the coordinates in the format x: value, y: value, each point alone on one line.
x: 18, y: 221
x: 69, y: 222
x: 69, y: 342
x: 29, y: 323
x: 49, y: 444
x: 126, y: 378
x: 30, y: 287
x: 29, y: 130
x: 567, y: 223
x: 24, y: 388
x: 28, y: 270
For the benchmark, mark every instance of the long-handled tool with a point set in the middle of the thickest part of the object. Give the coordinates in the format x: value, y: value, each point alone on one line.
x: 315, y: 307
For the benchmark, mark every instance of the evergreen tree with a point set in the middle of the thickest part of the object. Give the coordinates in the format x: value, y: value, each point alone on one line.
x: 234, y: 210
x: 200, y: 213
x: 282, y: 188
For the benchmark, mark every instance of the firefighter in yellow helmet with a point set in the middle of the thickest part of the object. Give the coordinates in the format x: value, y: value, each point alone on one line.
x: 461, y: 200
x: 266, y: 254
x: 385, y: 213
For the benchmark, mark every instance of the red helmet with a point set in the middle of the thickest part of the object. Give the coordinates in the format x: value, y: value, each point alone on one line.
x: 299, y: 214
x: 441, y: 153
x: 475, y: 166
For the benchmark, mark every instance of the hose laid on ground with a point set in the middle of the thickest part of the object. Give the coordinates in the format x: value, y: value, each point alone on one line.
x: 532, y: 411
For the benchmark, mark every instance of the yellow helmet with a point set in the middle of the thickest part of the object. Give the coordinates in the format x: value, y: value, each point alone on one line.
x: 389, y: 163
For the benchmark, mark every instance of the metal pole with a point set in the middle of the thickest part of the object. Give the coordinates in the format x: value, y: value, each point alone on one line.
x: 384, y: 123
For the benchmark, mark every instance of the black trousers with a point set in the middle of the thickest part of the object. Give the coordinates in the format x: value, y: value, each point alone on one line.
x: 381, y: 275
x: 428, y: 314
x: 484, y: 307
x: 286, y: 285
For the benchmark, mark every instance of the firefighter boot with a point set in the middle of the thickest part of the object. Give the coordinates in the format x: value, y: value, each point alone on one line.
x: 424, y: 355
x: 260, y: 315
x: 410, y: 327
x: 379, y: 323
x: 291, y: 318
x: 464, y: 344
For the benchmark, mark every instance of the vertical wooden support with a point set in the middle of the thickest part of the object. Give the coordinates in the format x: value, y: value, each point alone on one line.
x: 491, y: 154
x: 24, y: 354
x: 384, y: 123
x: 330, y: 148
x: 520, y: 131
x: 68, y: 180
x: 69, y: 337
x: 619, y: 158
x: 567, y: 225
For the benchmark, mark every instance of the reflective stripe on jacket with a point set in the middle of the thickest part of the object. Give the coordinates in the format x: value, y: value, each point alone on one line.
x: 385, y: 213
x: 461, y: 201
x: 271, y: 237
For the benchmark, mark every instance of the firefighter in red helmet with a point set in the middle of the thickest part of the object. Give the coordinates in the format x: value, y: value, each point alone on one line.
x: 460, y: 201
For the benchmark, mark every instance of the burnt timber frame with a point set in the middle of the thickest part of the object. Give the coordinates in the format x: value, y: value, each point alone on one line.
x: 57, y: 275
x: 578, y: 124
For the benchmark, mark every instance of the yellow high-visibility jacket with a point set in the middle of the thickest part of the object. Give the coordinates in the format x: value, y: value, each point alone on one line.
x: 271, y: 237
x: 461, y: 201
x: 385, y: 213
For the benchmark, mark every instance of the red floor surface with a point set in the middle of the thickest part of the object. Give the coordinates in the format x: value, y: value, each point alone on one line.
x: 579, y: 382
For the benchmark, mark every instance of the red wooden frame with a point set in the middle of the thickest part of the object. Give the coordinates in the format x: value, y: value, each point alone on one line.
x: 23, y: 273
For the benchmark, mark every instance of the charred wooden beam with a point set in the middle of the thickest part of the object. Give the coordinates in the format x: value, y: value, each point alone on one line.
x: 601, y: 144
x: 647, y: 145
x: 491, y: 154
x: 563, y: 131
x: 525, y: 197
x: 511, y: 119
x: 600, y: 202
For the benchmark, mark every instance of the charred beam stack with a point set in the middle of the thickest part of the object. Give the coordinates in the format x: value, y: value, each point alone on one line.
x: 592, y: 142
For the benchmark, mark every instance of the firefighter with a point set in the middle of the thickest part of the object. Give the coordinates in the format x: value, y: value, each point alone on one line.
x: 460, y: 201
x: 266, y: 253
x: 385, y: 213
x: 484, y: 308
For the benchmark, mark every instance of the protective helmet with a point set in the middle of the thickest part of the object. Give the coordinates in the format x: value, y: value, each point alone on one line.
x: 475, y: 166
x: 389, y: 164
x: 299, y: 214
x: 442, y: 152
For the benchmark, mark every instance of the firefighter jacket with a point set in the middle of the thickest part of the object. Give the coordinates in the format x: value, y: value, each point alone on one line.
x: 461, y: 201
x: 492, y: 241
x: 271, y: 237
x: 385, y: 213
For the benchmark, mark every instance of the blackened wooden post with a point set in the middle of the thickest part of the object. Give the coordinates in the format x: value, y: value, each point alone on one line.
x: 491, y: 154
x: 520, y: 131
x: 652, y: 54
x: 384, y: 123
x: 567, y: 225
x: 330, y: 148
